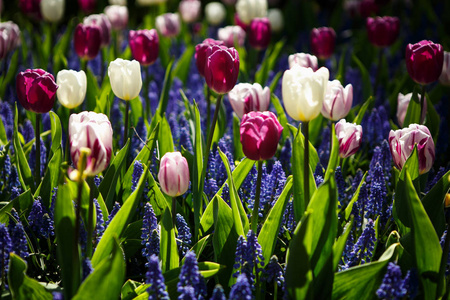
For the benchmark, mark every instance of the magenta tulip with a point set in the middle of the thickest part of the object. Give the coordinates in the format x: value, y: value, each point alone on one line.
x: 259, y: 33
x: 221, y: 69
x: 87, y: 6
x: 424, y: 61
x: 338, y: 100
x: 260, y: 134
x: 87, y: 39
x: 144, y: 45
x: 173, y: 174
x: 31, y: 8
x: 3, y: 44
x: 36, y: 90
x: 304, y: 60
x: 382, y: 31
x: 246, y: 97
x: 349, y: 136
x: 367, y: 8
x: 239, y: 22
x: 323, y: 41
x: 200, y: 54
x: 102, y: 21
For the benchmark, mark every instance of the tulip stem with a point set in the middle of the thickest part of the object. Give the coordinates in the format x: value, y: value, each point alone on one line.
x: 422, y: 104
x: 78, y: 214
x: 37, y: 170
x: 174, y: 211
x: 67, y: 152
x: 305, y: 128
x: 125, y: 131
x: 90, y: 224
x: 257, y: 195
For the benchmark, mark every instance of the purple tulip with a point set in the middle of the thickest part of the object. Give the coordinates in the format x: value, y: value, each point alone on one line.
x: 144, y: 45
x: 367, y: 8
x: 424, y: 61
x: 168, y: 24
x: 444, y: 78
x: 349, y: 136
x: 260, y: 134
x: 402, y: 107
x: 222, y: 68
x: 200, y: 54
x: 173, y: 174
x: 36, y: 90
x: 382, y: 31
x: 323, y: 40
x: 304, y: 60
x: 87, y: 6
x: 231, y: 35
x: 87, y: 39
x: 338, y: 100
x: 118, y: 16
x: 31, y: 8
x: 246, y: 97
x: 402, y: 144
x: 102, y: 21
x: 259, y: 33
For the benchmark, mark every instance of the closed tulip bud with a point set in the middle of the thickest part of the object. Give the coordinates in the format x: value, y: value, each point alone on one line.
x: 323, y: 41
x: 349, y: 136
x: 215, y: 13
x: 102, y: 21
x: 250, y: 9
x: 36, y: 90
x: 173, y: 174
x: 221, y: 69
x: 445, y: 74
x: 52, y: 10
x: 168, y: 24
x: 125, y: 78
x: 304, y: 60
x: 31, y: 8
x: 276, y: 19
x: 3, y: 44
x: 246, y: 97
x: 303, y: 92
x: 144, y: 45
x: 338, y: 100
x: 402, y: 107
x: 231, y: 35
x: 424, y: 61
x: 200, y: 53
x: 72, y: 87
x: 87, y: 6
x: 12, y: 33
x: 382, y: 31
x: 92, y: 131
x: 118, y: 16
x: 259, y: 33
x: 190, y: 10
x: 87, y: 39
x: 260, y: 134
x: 402, y: 141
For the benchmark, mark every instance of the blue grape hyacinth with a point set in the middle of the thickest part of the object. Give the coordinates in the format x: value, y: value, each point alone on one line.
x: 191, y: 279
x: 154, y: 277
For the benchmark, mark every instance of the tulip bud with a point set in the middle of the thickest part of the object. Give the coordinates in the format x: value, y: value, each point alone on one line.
x: 259, y: 33
x: 118, y: 16
x: 102, y: 21
x: 144, y: 45
x: 190, y: 10
x: 125, y: 78
x: 260, y: 134
x: 402, y: 141
x: 215, y: 13
x: 168, y: 24
x: 92, y: 131
x: 276, y: 19
x: 149, y: 2
x: 36, y: 90
x: 338, y: 101
x: 349, y: 136
x: 323, y: 40
x: 444, y: 78
x: 87, y: 6
x: 246, y: 97
x: 250, y: 9
x: 87, y: 39
x: 304, y: 60
x: 303, y: 92
x: 31, y: 8
x: 402, y: 107
x: 200, y: 54
x: 173, y: 174
x: 72, y: 87
x: 424, y: 61
x: 3, y: 44
x: 222, y: 68
x: 382, y: 31
x: 367, y: 8
x: 12, y: 33
x: 52, y: 10
x: 231, y: 35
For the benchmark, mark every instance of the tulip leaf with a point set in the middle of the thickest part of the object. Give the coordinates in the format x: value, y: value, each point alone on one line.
x: 165, y: 139
x: 92, y: 90
x: 413, y: 112
x: 281, y: 115
x: 367, y: 85
x: 21, y: 203
x: 267, y: 237
x: 238, y: 153
x: 164, y: 97
x: 339, y: 245
x: 105, y: 98
x: 3, y: 137
x: 432, y: 120
x: 136, y: 112
x: 349, y: 208
x: 333, y: 163
x: 10, y: 74
x: 269, y: 62
x: 168, y: 245
x: 362, y: 111
x: 181, y: 70
x: 197, y: 166
x: 239, y: 174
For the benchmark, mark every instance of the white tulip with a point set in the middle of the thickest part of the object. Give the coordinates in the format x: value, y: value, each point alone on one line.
x: 303, y: 92
x: 52, y: 10
x: 125, y: 77
x: 276, y: 19
x: 72, y: 88
x: 215, y: 13
x: 247, y: 10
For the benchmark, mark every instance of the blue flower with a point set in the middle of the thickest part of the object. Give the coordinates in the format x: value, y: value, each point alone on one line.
x: 113, y: 213
x: 87, y: 268
x: 184, y: 235
x: 363, y: 249
x: 274, y: 272
x: 138, y: 169
x: 218, y: 293
x: 340, y: 182
x: 241, y: 289
x: 154, y: 277
x: 392, y: 286
x: 43, y: 158
x: 99, y: 227
x: 5, y: 247
x: 150, y: 234
x: 190, y: 277
x: 40, y: 221
x: 17, y: 235
x: 285, y: 156
x: 248, y: 256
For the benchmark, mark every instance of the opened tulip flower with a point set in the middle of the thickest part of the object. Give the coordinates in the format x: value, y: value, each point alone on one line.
x: 250, y: 9
x: 424, y: 61
x: 304, y: 60
x: 144, y: 45
x: 200, y: 54
x: 102, y: 21
x: 221, y: 69
x: 12, y: 32
x: 402, y: 142
x: 444, y: 78
x: 338, y: 100
x: 232, y: 35
x: 246, y: 97
x: 382, y: 31
x: 215, y: 13
x: 117, y: 15
x: 72, y: 87
x: 52, y: 10
x: 259, y: 33
x: 190, y: 10
x: 125, y: 78
x: 349, y: 136
x: 87, y: 39
x: 168, y: 24
x: 402, y: 107
x: 323, y: 41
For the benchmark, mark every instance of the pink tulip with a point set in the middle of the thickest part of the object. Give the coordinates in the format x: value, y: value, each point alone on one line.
x: 102, y: 21
x: 3, y: 44
x: 246, y: 97
x: 259, y: 33
x: 304, y: 60
x: 173, y: 174
x: 231, y: 35
x: 168, y: 24
x: 87, y: 39
x: 383, y: 31
x: 424, y: 61
x: 349, y: 136
x: 144, y: 45
x: 200, y: 54
x: 190, y: 10
x: 338, y: 100
x: 444, y: 78
x: 221, y: 69
x: 13, y: 35
x: 323, y: 41
x: 118, y: 16
x: 402, y: 107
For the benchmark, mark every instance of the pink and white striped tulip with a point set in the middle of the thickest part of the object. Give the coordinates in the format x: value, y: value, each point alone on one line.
x: 402, y: 107
x: 231, y: 35
x: 402, y: 144
x: 173, y: 174
x: 190, y: 10
x: 246, y: 97
x: 304, y: 60
x: 168, y: 24
x: 338, y: 100
x: 117, y: 15
x: 349, y: 136
x: 445, y: 74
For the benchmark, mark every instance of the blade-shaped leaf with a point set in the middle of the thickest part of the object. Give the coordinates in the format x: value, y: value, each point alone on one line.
x: 168, y: 245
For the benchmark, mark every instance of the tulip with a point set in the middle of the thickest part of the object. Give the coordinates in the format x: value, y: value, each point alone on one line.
x: 304, y: 60
x: 366, y: 8
x: 338, y: 101
x: 87, y: 40
x: 231, y: 35
x: 402, y: 142
x: 444, y: 78
x: 31, y: 8
x: 259, y: 33
x: 125, y: 78
x: 276, y: 19
x: 72, y: 88
x: 222, y: 68
x: 229, y: 2
x: 87, y: 6
x: 3, y: 44
x: 402, y: 107
x: 190, y: 10
x: 117, y: 16
x: 239, y: 23
x: 168, y: 24
x: 349, y: 136
x: 246, y: 97
x: 173, y: 174
x: 215, y: 13
x: 424, y: 61
x: 303, y: 92
x: 13, y: 35
x: 144, y: 45
x: 250, y: 9
x: 149, y: 2
x: 382, y: 31
x: 200, y: 54
x: 52, y: 10
x: 102, y: 21
x: 323, y: 40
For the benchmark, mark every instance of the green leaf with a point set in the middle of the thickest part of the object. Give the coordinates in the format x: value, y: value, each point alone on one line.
x: 413, y: 112
x: 164, y: 98
x: 198, y: 164
x: 432, y: 120
x: 339, y: 245
x: 21, y: 203
x: 92, y: 90
x: 281, y: 116
x: 238, y: 153
x: 333, y: 163
x: 239, y: 174
x: 165, y: 139
x: 269, y: 62
x: 3, y: 137
x: 168, y: 245
x: 181, y: 70
x: 349, y: 208
x: 362, y: 111
x: 367, y: 85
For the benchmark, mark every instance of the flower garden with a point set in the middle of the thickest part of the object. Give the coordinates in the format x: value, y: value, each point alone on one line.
x: 242, y: 149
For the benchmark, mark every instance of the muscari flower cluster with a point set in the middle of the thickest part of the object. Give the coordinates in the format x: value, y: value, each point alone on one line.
x: 43, y: 158
x: 191, y: 284
x: 394, y: 286
x: 150, y: 233
x: 17, y: 234
x: 274, y: 272
x: 9, y: 178
x: 241, y: 289
x: 99, y: 227
x: 248, y: 256
x: 154, y: 277
x: 40, y: 220
x: 184, y: 237
x: 361, y: 252
x: 218, y: 293
x: 112, y: 214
